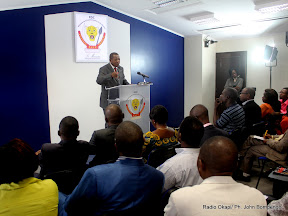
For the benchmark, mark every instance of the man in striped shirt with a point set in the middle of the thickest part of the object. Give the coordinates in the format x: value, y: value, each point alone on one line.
x: 233, y: 116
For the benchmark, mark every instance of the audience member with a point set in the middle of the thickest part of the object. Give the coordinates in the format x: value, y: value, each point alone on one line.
x: 218, y: 194
x: 251, y: 109
x: 20, y: 192
x: 284, y: 122
x: 283, y: 100
x: 273, y: 147
x: 102, y: 141
x: 163, y: 135
x: 276, y: 104
x: 181, y: 170
x: 233, y: 116
x: 268, y: 100
x: 127, y: 183
x: 201, y: 112
x: 69, y: 154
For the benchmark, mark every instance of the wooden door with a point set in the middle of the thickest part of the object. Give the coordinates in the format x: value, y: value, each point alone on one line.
x: 226, y: 61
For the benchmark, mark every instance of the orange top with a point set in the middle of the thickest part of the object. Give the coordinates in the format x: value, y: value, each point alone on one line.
x: 266, y: 109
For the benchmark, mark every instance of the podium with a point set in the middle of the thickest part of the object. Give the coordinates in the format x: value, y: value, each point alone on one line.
x: 134, y: 101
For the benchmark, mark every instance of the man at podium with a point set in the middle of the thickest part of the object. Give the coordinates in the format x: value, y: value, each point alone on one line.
x: 110, y: 75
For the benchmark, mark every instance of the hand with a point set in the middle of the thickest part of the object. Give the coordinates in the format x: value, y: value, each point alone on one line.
x: 38, y: 152
x: 267, y: 136
x: 237, y: 88
x: 217, y: 102
x: 114, y: 74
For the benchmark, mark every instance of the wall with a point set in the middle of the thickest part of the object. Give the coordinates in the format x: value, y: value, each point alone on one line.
x: 257, y: 74
x: 200, y: 66
x: 24, y: 104
x: 193, y: 72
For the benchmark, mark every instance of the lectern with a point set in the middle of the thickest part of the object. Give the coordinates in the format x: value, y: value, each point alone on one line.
x: 134, y: 101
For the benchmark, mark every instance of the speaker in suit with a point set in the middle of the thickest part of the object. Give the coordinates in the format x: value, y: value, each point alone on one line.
x: 110, y: 75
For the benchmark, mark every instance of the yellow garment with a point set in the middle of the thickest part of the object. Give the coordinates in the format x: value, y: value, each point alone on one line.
x: 29, y: 197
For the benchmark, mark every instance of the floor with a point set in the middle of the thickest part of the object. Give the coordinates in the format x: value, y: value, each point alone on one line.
x: 265, y: 184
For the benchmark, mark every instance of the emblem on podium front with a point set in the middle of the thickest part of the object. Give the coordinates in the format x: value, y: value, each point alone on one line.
x: 135, y: 105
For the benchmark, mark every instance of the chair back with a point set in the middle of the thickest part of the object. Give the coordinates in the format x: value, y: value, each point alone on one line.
x: 159, y: 155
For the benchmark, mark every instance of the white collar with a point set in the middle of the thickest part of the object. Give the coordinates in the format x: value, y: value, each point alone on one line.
x: 245, y: 102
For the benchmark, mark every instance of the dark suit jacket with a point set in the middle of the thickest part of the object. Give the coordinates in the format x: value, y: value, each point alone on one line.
x: 211, y: 131
x: 252, y: 113
x: 64, y: 156
x: 103, y: 146
x: 105, y: 80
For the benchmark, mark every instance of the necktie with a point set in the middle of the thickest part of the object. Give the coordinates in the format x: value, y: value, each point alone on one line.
x: 115, y: 69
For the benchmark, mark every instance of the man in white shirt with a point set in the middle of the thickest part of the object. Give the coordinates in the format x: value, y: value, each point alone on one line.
x: 218, y: 194
x: 181, y: 170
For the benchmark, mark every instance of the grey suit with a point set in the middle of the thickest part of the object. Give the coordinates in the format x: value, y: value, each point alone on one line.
x: 106, y: 80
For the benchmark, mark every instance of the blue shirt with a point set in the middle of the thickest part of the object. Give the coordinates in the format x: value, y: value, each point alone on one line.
x: 115, y: 187
x: 232, y: 118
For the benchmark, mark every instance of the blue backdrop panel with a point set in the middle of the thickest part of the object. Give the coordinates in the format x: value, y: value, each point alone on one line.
x: 23, y: 85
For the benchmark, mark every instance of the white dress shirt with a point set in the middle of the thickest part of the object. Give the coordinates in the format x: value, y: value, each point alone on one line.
x: 217, y: 195
x: 181, y: 170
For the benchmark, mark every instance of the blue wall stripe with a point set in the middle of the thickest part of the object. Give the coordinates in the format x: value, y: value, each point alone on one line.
x: 24, y: 102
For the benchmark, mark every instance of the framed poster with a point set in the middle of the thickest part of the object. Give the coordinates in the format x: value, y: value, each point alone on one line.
x: 91, y: 37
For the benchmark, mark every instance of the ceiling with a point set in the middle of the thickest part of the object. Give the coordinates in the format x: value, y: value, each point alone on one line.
x: 237, y: 18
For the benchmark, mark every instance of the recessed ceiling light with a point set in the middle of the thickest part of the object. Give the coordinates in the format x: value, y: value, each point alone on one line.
x: 203, y: 18
x: 165, y: 3
x: 271, y: 6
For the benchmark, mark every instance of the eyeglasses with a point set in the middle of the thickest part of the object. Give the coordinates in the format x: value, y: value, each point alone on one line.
x: 243, y: 93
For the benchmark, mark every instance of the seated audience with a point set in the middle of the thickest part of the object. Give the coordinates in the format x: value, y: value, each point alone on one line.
x: 163, y: 135
x: 102, y: 141
x: 181, y: 170
x: 284, y: 122
x: 283, y: 100
x: 233, y: 116
x: 268, y: 100
x: 69, y: 154
x: 273, y: 147
x: 218, y: 194
x: 20, y: 192
x: 127, y: 183
x: 201, y: 112
x: 251, y: 109
x: 276, y: 104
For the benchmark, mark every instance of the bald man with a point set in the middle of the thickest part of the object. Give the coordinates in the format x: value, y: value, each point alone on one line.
x: 252, y: 110
x: 218, y: 194
x: 126, y: 184
x: 201, y: 112
x: 102, y: 141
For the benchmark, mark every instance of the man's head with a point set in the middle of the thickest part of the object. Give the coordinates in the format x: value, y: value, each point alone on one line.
x: 113, y: 114
x: 283, y: 94
x: 68, y: 128
x: 228, y: 96
x: 191, y: 132
x: 129, y: 139
x: 200, y: 112
x: 217, y: 157
x: 114, y: 59
x: 247, y: 94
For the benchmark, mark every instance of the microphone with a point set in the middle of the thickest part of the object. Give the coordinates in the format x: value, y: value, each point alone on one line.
x: 142, y: 75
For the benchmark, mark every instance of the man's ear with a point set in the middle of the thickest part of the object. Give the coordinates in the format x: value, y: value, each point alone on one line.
x: 106, y: 119
x: 179, y: 137
x: 59, y: 133
x: 201, y: 167
x: 78, y: 132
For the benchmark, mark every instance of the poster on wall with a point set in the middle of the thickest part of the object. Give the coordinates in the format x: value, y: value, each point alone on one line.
x: 90, y: 37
